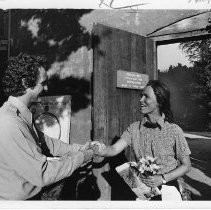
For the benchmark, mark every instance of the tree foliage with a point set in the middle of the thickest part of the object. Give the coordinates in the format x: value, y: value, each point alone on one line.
x: 191, y: 86
x: 199, y: 53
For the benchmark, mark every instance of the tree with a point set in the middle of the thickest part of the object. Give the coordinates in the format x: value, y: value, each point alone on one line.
x: 182, y: 81
x: 199, y: 53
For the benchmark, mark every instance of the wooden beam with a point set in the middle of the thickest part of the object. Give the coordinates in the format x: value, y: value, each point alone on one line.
x: 177, y: 37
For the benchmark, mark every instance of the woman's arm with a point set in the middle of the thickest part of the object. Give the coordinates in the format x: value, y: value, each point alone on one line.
x: 126, y: 139
x: 108, y: 151
x: 154, y: 181
x: 180, y: 170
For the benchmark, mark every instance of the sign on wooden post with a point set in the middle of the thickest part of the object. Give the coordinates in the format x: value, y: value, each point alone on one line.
x: 131, y: 80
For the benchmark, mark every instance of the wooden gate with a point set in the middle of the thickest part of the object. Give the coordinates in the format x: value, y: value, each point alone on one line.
x: 115, y: 108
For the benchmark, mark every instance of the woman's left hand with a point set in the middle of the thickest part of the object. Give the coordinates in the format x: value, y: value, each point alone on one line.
x: 152, y: 181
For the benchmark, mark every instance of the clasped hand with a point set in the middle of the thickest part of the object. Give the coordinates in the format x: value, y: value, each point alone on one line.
x: 97, y: 147
x: 152, y: 181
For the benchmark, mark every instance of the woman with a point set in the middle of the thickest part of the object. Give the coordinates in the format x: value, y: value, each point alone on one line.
x: 156, y: 136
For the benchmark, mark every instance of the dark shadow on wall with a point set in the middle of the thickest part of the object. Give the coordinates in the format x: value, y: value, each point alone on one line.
x: 59, y: 34
x: 79, y: 89
x: 56, y: 34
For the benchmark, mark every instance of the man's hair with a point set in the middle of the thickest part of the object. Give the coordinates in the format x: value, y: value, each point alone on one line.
x: 21, y: 67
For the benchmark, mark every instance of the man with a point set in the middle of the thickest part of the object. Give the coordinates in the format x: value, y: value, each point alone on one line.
x: 24, y: 169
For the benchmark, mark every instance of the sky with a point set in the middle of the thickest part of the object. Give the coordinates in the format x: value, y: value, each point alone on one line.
x: 171, y: 55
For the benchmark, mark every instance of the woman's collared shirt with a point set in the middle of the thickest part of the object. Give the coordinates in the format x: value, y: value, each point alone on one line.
x: 164, y: 140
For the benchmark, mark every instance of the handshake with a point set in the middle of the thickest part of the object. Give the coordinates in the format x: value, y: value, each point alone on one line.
x: 93, y: 148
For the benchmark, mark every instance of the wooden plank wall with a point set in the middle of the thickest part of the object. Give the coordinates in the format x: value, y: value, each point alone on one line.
x: 115, y: 108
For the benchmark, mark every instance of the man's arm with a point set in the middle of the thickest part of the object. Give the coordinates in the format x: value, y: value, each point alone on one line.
x: 59, y: 148
x: 23, y: 158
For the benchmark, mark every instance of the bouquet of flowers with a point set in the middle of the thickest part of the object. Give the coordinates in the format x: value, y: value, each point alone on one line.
x: 146, y: 167
x: 132, y: 171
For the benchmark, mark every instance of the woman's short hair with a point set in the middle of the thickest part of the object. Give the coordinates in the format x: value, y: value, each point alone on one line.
x: 19, y: 67
x: 162, y: 94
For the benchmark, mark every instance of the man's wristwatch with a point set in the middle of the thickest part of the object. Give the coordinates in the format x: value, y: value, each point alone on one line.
x: 163, y: 179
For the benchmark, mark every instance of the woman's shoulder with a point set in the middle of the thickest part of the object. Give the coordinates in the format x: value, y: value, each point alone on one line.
x: 175, y: 127
x: 135, y: 125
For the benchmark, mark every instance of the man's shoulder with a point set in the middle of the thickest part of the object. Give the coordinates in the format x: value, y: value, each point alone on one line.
x: 8, y: 114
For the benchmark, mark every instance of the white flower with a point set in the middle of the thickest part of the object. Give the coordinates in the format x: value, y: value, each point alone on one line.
x: 151, y: 159
x: 143, y: 161
x: 134, y: 164
x: 141, y: 169
x: 154, y: 168
x: 147, y: 165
